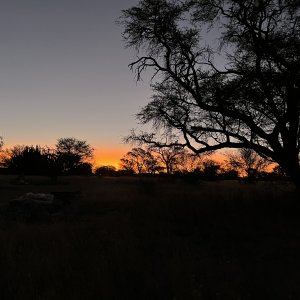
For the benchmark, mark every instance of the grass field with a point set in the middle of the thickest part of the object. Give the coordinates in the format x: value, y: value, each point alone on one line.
x: 127, y: 238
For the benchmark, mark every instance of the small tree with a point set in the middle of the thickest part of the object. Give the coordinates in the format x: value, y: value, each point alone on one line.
x: 2, y: 163
x: 210, y: 169
x: 71, y: 154
x: 106, y: 171
x: 247, y: 161
x: 140, y: 161
x: 169, y: 158
x: 28, y: 160
x: 127, y: 165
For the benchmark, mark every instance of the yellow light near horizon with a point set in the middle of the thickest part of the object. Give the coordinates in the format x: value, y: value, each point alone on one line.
x: 106, y: 156
x: 112, y: 156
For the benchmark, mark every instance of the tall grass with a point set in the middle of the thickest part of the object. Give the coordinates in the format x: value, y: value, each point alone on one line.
x: 151, y: 239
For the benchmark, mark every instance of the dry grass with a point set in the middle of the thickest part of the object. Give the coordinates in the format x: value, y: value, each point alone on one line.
x: 154, y: 239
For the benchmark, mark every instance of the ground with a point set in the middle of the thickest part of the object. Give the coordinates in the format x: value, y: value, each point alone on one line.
x: 153, y: 238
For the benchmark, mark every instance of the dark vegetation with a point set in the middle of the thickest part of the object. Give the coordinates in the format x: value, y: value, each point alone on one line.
x: 69, y: 157
x: 174, y: 228
x: 152, y: 238
x: 226, y: 74
x: 243, y: 164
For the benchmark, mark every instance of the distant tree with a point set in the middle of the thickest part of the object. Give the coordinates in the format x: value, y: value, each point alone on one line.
x: 189, y: 162
x: 210, y: 169
x: 127, y: 165
x: 106, y: 171
x: 28, y: 160
x: 248, y: 161
x: 229, y: 174
x: 237, y: 89
x: 278, y: 171
x: 72, y: 154
x: 2, y: 164
x: 170, y: 158
x: 84, y: 168
x: 139, y: 161
x: 173, y: 158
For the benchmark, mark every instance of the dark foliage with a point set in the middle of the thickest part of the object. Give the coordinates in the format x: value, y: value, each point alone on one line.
x: 106, y: 171
x: 71, y: 155
x: 29, y: 160
x: 139, y: 161
x: 249, y: 162
x: 228, y: 74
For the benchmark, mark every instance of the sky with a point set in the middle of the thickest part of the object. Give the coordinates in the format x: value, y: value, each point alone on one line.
x: 64, y: 73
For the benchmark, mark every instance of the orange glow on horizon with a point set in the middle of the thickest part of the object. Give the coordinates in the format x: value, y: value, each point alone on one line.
x: 103, y: 156
x: 112, y: 156
x: 109, y: 156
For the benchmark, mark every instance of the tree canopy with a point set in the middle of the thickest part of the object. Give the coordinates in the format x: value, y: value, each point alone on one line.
x: 71, y: 155
x: 139, y: 161
x: 28, y: 160
x: 247, y: 161
x: 227, y: 74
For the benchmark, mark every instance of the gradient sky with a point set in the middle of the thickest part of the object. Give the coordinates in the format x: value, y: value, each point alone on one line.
x: 64, y: 73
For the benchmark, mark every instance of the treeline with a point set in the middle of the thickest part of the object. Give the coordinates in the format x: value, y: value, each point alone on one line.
x: 70, y: 156
x: 177, y: 161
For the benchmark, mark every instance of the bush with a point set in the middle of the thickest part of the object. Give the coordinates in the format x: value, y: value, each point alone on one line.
x: 106, y: 171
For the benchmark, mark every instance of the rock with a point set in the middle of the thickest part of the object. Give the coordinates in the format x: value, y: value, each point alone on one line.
x: 37, y: 197
x: 38, y: 206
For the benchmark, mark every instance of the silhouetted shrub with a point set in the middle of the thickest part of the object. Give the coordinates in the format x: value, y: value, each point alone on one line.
x: 29, y: 160
x: 106, y: 171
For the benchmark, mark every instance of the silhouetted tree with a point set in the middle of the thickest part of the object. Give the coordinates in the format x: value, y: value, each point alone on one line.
x: 127, y: 165
x: 2, y: 163
x: 278, y: 171
x: 229, y: 174
x: 139, y: 161
x: 172, y: 159
x: 210, y: 169
x: 238, y: 87
x: 106, y: 171
x: 84, y: 168
x: 190, y: 162
x: 28, y: 160
x: 71, y: 155
x: 248, y: 161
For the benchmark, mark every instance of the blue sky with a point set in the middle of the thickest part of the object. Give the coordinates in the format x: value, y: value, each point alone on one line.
x: 64, y: 72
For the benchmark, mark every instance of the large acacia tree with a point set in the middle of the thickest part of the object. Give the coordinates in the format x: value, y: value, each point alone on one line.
x: 227, y: 74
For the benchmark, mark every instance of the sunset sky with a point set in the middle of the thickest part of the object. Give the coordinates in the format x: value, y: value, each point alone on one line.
x: 64, y: 73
